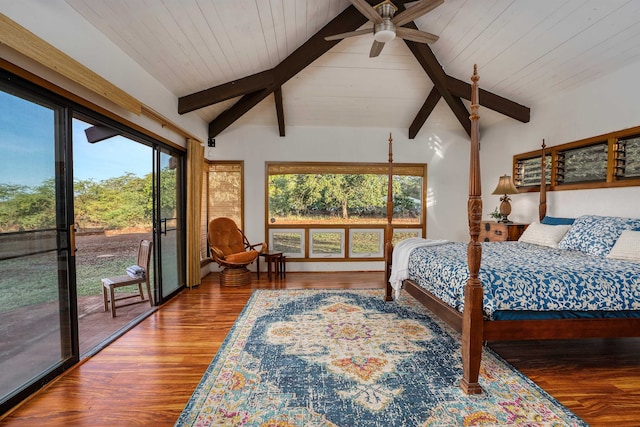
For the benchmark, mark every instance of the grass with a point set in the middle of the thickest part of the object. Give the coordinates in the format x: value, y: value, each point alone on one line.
x: 34, y: 279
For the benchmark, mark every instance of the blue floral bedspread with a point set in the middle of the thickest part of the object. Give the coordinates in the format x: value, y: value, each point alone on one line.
x: 525, y: 277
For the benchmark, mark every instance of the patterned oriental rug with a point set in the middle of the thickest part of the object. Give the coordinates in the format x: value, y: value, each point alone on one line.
x: 347, y: 358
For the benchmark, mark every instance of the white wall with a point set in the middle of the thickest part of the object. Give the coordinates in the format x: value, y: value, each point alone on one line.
x: 443, y: 151
x: 605, y: 105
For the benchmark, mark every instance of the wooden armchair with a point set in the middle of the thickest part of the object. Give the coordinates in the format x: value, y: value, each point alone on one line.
x: 231, y: 249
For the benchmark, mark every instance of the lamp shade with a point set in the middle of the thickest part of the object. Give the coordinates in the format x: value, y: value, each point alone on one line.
x: 505, y: 186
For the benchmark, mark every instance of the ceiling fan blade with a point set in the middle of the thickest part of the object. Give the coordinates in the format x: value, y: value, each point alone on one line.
x: 416, y: 11
x: 416, y: 35
x: 349, y: 34
x: 367, y: 10
x: 376, y: 48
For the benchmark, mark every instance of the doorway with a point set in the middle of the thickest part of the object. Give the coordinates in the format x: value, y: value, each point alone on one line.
x: 126, y: 188
x: 78, y: 191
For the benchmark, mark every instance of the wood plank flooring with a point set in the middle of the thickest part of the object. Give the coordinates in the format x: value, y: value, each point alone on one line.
x: 146, y: 377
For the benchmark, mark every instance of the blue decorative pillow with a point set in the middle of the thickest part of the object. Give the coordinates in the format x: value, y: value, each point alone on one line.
x: 551, y: 220
x: 596, y: 235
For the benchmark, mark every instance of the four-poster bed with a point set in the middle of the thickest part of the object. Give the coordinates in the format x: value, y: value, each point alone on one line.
x: 476, y: 322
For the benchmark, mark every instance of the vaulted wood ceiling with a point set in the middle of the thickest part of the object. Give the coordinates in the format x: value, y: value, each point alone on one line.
x: 254, y: 58
x: 257, y: 87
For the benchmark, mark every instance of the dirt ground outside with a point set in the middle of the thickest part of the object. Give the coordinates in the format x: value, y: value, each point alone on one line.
x: 92, y: 246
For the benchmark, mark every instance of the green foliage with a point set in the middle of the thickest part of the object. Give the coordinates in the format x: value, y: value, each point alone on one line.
x: 407, y: 192
x: 119, y: 202
x: 341, y: 195
x: 168, y: 189
x: 115, y: 203
x: 23, y: 208
x: 495, y: 214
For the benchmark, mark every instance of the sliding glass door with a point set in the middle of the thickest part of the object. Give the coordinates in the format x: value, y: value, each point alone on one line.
x: 37, y: 311
x: 78, y: 192
x: 170, y: 234
x: 113, y: 205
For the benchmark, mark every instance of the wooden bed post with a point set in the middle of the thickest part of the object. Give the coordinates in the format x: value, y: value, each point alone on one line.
x: 388, y: 231
x: 542, y: 208
x: 472, y: 318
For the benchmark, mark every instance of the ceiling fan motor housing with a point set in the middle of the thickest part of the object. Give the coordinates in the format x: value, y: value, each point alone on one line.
x: 385, y: 31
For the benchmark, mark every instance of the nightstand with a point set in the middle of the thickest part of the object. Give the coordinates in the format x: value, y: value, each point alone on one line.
x: 491, y: 231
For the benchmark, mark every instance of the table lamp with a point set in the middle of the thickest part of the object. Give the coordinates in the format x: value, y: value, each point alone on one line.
x: 505, y: 187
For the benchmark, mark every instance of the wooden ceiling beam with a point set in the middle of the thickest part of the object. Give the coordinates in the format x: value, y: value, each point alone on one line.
x: 434, y: 70
x: 225, y: 91
x: 257, y: 87
x: 452, y: 90
x: 230, y: 115
x: 432, y: 67
x: 350, y: 19
x: 490, y: 100
x: 277, y: 95
x: 425, y: 111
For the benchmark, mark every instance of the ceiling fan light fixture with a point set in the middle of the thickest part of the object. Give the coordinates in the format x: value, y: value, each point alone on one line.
x: 384, y: 36
x: 385, y: 31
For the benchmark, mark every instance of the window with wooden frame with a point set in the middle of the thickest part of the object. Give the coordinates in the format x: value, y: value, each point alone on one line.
x: 611, y: 160
x: 626, y: 153
x: 337, y: 211
x: 223, y: 195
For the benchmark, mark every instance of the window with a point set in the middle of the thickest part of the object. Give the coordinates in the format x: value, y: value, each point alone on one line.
x: 326, y: 243
x: 611, y: 160
x: 528, y: 171
x: 582, y: 164
x: 399, y: 235
x: 290, y: 242
x: 627, y: 158
x: 339, y: 210
x: 366, y: 242
x: 223, y: 194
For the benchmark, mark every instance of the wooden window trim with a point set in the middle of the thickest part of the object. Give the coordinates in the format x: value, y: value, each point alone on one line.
x: 275, y: 168
x: 612, y: 180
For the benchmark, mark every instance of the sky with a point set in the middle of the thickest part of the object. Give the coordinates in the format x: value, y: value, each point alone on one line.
x: 105, y: 159
x: 27, y: 151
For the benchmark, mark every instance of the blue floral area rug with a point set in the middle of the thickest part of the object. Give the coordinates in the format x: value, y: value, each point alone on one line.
x: 347, y: 358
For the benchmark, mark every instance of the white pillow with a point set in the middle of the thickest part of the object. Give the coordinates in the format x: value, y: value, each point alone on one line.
x: 627, y: 246
x: 544, y: 235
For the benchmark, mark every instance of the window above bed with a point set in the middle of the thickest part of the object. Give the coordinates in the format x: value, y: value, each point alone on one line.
x: 611, y: 160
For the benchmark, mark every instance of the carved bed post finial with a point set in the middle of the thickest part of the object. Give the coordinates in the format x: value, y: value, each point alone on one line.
x: 388, y: 231
x: 472, y: 317
x: 542, y: 208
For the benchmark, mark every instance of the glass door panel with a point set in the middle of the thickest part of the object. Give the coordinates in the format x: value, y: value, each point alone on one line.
x: 113, y: 199
x: 170, y: 222
x: 36, y: 327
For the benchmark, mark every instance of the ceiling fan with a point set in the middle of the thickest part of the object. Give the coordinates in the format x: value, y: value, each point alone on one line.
x: 387, y: 27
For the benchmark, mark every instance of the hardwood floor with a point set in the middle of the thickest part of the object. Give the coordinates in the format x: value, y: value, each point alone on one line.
x: 146, y: 377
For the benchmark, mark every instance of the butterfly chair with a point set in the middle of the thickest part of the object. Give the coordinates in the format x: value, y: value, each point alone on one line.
x: 111, y: 283
x: 231, y: 250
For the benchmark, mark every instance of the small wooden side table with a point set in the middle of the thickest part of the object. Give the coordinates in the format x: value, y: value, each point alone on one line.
x: 277, y: 259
